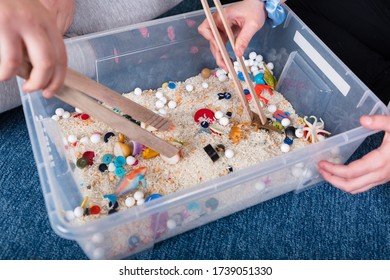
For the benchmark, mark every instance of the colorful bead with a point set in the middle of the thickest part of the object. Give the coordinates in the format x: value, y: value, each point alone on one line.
x: 94, y: 210
x: 119, y: 171
x: 103, y: 167
x: 81, y: 163
x: 205, y: 73
x: 212, y: 203
x: 89, y: 155
x: 107, y: 136
x: 171, y: 85
x: 119, y: 161
x: 152, y: 197
x: 204, y: 124
x: 288, y: 141
x: 107, y: 158
x: 211, y: 152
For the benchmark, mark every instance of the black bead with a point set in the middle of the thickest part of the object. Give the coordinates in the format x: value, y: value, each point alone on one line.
x: 212, y: 153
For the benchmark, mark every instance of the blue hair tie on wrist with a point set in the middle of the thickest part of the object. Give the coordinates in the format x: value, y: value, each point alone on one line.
x: 276, y: 13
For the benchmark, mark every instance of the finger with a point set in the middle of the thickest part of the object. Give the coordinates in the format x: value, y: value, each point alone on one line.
x: 59, y: 73
x: 351, y: 185
x: 376, y: 122
x: 11, y: 55
x: 42, y: 58
x: 247, y: 32
x: 366, y: 164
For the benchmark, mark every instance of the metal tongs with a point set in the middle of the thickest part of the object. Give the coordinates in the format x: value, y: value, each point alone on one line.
x: 259, y: 117
x: 84, y: 93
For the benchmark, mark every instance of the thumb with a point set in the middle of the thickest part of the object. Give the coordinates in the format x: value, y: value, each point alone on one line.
x: 244, y: 37
x: 376, y: 122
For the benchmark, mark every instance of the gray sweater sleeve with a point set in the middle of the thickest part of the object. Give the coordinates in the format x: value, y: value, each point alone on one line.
x: 98, y: 15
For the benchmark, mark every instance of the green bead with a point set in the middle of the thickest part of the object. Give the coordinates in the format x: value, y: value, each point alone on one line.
x: 81, y: 163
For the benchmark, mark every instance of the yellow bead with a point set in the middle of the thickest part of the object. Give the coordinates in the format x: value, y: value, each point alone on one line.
x: 148, y: 153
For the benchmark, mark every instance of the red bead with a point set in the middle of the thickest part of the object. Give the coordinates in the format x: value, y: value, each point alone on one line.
x: 84, y: 117
x: 77, y: 115
x: 94, y: 210
x: 89, y: 155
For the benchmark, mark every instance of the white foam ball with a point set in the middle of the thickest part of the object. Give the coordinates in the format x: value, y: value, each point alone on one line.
x: 111, y: 167
x: 130, y: 201
x: 220, y: 72
x: 95, y: 138
x: 189, y: 88
x: 222, y: 77
x: 138, y: 195
x: 159, y: 94
x: 130, y: 160
x: 224, y: 121
x: 285, y: 122
x: 259, y: 58
x: 59, y: 112
x: 271, y: 108
x: 55, y: 117
x: 260, y: 186
x: 252, y: 55
x: 171, y: 224
x: 66, y: 115
x: 160, y: 104
x: 270, y: 66
x: 218, y: 115
x: 229, y: 153
x: 299, y: 132
x: 285, y: 148
x: 78, y: 212
x: 205, y: 85
x: 138, y: 91
x: 172, y: 104
x: 72, y: 139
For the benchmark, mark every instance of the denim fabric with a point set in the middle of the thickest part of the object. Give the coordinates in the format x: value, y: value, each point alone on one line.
x: 320, y: 223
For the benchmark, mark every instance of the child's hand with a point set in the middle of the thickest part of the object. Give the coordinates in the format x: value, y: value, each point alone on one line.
x: 27, y: 25
x: 371, y: 170
x: 245, y: 18
x: 63, y: 11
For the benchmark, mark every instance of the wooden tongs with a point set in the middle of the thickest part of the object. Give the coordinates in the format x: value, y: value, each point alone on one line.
x: 82, y: 92
x: 259, y: 117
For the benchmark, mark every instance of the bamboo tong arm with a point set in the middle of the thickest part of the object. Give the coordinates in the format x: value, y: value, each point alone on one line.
x: 80, y: 91
x: 229, y: 64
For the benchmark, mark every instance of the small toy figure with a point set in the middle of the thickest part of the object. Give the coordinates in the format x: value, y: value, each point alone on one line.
x: 314, y: 132
x: 129, y: 183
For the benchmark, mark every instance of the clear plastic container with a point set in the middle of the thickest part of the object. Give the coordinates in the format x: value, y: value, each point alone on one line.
x: 310, y: 76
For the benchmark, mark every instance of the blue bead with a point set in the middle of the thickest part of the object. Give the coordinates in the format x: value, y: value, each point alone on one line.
x: 134, y: 241
x: 204, y: 124
x: 288, y: 141
x: 242, y: 78
x: 259, y: 79
x: 119, y: 171
x: 221, y: 95
x: 119, y: 161
x: 152, y: 196
x: 246, y: 91
x: 212, y: 203
x: 107, y: 136
x: 228, y: 95
x: 171, y: 85
x: 107, y: 158
x: 103, y: 167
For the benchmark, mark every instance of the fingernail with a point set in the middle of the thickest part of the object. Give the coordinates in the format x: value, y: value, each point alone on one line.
x: 48, y: 94
x: 367, y: 120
